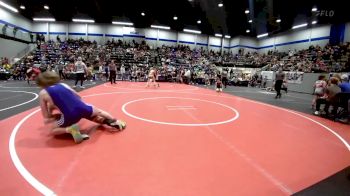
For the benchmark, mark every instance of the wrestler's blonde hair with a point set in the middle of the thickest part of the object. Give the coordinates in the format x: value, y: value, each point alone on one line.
x: 47, y: 78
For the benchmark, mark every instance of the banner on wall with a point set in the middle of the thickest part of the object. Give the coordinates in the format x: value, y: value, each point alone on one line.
x: 267, y: 74
x: 295, y: 77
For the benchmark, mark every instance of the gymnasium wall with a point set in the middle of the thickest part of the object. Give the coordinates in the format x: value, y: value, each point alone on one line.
x: 295, y: 39
x: 307, y: 84
x: 12, y: 49
x: 215, y: 43
x: 248, y: 44
x: 347, y: 32
x: 15, y: 20
x: 234, y: 45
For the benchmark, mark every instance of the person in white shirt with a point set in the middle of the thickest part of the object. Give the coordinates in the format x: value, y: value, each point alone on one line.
x: 80, y: 70
x: 187, y: 76
x: 122, y: 71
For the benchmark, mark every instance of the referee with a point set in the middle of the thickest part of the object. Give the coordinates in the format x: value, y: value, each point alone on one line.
x: 279, y: 82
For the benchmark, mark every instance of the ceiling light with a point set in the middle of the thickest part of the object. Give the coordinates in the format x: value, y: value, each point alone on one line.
x: 192, y: 31
x: 278, y: 20
x: 175, y: 18
x: 83, y: 20
x: 22, y: 7
x: 218, y: 35
x: 160, y: 27
x: 262, y: 35
x: 143, y: 14
x: 227, y: 36
x: 199, y: 21
x: 314, y: 9
x: 314, y: 22
x: 8, y: 6
x: 123, y: 23
x: 247, y: 31
x: 250, y: 21
x: 46, y: 7
x: 246, y: 11
x: 299, y: 26
x: 220, y: 4
x: 44, y: 19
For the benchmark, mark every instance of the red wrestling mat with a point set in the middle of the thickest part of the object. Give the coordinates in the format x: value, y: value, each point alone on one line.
x: 180, y: 140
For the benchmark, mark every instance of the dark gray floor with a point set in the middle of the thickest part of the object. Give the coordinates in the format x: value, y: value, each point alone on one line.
x: 337, y: 184
x: 291, y: 100
x: 8, y: 96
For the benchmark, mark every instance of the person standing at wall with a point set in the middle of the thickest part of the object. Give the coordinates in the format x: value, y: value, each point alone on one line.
x: 112, y: 72
x: 122, y: 71
x: 319, y: 89
x: 278, y: 82
x: 224, y: 77
x: 80, y: 70
x: 60, y: 67
x: 264, y: 82
x: 106, y: 71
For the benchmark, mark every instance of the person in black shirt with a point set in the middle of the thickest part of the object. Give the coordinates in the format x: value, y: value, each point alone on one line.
x: 278, y: 82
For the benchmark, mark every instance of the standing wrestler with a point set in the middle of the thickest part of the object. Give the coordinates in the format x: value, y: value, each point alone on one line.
x: 218, y: 84
x: 152, y: 77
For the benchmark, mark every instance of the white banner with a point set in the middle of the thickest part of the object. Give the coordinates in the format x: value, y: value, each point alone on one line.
x: 267, y: 74
x: 295, y: 77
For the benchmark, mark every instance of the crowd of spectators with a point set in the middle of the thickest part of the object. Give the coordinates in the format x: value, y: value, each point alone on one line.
x: 333, y: 93
x: 134, y: 59
x: 181, y: 64
x: 314, y: 59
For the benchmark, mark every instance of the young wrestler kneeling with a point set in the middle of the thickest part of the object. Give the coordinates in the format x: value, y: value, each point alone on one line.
x: 72, y: 108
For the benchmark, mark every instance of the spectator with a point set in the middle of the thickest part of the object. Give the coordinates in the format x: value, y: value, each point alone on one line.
x: 122, y: 72
x: 345, y: 85
x: 329, y: 96
x: 319, y: 89
x: 60, y: 68
x: 112, y: 72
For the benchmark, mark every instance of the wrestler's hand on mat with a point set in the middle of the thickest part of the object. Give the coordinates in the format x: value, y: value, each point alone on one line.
x: 49, y: 120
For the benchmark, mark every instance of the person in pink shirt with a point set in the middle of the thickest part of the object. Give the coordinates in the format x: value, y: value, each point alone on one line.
x: 319, y: 89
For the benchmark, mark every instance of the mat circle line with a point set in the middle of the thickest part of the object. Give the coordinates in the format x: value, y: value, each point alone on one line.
x: 14, y: 106
x: 40, y: 187
x: 181, y: 124
x: 161, y: 90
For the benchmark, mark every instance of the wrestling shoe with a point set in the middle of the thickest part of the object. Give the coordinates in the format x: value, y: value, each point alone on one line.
x: 118, y: 124
x: 77, y: 136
